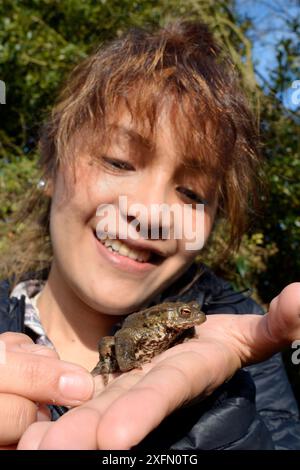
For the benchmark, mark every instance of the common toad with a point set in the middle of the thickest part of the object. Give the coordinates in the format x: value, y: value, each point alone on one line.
x: 145, y: 334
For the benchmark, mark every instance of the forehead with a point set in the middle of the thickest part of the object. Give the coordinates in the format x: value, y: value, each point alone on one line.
x: 143, y: 138
x: 171, y: 127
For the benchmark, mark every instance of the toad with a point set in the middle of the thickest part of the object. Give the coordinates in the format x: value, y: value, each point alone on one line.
x: 145, y: 334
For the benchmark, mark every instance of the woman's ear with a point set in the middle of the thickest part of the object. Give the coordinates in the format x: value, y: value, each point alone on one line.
x: 46, y: 186
x: 49, y: 188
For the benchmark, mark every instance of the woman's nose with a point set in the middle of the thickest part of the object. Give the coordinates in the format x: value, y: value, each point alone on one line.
x: 149, y: 210
x: 149, y: 229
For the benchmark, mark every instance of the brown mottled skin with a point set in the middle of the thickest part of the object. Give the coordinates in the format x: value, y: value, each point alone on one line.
x: 145, y: 334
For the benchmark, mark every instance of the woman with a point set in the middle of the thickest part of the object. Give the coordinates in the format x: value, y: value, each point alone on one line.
x: 156, y: 118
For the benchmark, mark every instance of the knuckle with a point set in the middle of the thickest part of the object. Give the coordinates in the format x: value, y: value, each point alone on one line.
x: 32, y: 370
x: 26, y: 415
x: 44, y: 351
x: 10, y: 337
x: 16, y: 414
x: 39, y: 373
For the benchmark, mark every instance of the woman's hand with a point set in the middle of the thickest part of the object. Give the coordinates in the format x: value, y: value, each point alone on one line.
x: 133, y: 404
x: 31, y: 374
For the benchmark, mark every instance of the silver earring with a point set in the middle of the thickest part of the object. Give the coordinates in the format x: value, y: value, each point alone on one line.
x: 41, y: 184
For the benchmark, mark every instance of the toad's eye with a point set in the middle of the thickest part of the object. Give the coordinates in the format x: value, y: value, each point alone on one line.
x: 117, y: 164
x: 185, y: 312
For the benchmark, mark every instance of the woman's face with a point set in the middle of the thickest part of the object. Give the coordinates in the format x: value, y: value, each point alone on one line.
x: 120, y: 282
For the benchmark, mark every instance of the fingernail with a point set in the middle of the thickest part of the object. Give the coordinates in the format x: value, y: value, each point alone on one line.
x: 76, y: 387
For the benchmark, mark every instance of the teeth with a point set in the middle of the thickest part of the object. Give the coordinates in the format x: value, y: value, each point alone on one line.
x: 116, y: 245
x: 101, y: 236
x: 124, y: 250
x: 132, y: 254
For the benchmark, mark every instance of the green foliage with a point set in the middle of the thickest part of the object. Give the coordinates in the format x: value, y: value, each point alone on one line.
x: 281, y: 137
x: 41, y: 40
x: 16, y: 178
x: 281, y: 223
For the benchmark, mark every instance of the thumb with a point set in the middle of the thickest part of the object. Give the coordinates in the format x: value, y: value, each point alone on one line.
x: 284, y: 315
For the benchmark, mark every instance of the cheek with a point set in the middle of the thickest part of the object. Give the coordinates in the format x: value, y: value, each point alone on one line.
x: 96, y: 187
x: 196, y: 233
x: 77, y: 199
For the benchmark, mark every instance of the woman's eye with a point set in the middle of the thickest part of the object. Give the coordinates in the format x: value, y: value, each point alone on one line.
x: 118, y: 164
x: 189, y: 194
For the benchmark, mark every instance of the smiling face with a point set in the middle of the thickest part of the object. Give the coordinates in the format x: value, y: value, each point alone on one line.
x: 120, y: 276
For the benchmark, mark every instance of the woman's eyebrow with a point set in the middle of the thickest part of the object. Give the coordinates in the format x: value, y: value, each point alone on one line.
x: 134, y: 136
x: 189, y: 168
x: 141, y: 148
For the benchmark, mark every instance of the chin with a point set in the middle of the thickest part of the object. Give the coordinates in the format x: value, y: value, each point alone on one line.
x: 116, y: 304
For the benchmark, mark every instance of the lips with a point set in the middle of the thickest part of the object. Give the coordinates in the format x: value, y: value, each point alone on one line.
x: 126, y: 255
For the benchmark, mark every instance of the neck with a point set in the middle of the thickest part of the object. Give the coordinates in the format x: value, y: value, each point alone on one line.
x: 73, y: 327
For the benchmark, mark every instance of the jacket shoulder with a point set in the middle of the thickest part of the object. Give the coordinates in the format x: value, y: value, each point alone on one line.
x: 276, y: 402
x: 214, y: 294
x: 11, y: 310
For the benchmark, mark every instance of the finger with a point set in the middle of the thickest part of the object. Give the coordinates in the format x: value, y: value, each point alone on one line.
x: 11, y: 339
x: 78, y: 433
x: 15, y: 418
x: 284, y: 314
x: 257, y: 337
x: 45, y: 379
x: 78, y: 428
x: 31, y: 439
x: 34, y: 349
x: 20, y: 342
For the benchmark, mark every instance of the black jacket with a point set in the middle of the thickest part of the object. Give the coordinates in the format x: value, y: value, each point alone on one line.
x: 255, y: 409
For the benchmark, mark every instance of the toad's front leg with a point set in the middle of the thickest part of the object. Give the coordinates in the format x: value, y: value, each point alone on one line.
x: 133, y: 348
x: 107, y: 358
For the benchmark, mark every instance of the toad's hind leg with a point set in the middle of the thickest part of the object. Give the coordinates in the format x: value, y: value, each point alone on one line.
x: 107, y: 358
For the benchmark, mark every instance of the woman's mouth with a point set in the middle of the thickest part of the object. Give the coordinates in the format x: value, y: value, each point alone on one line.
x: 127, y: 257
x: 116, y: 246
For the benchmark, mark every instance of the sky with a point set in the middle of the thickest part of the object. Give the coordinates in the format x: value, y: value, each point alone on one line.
x: 268, y: 17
